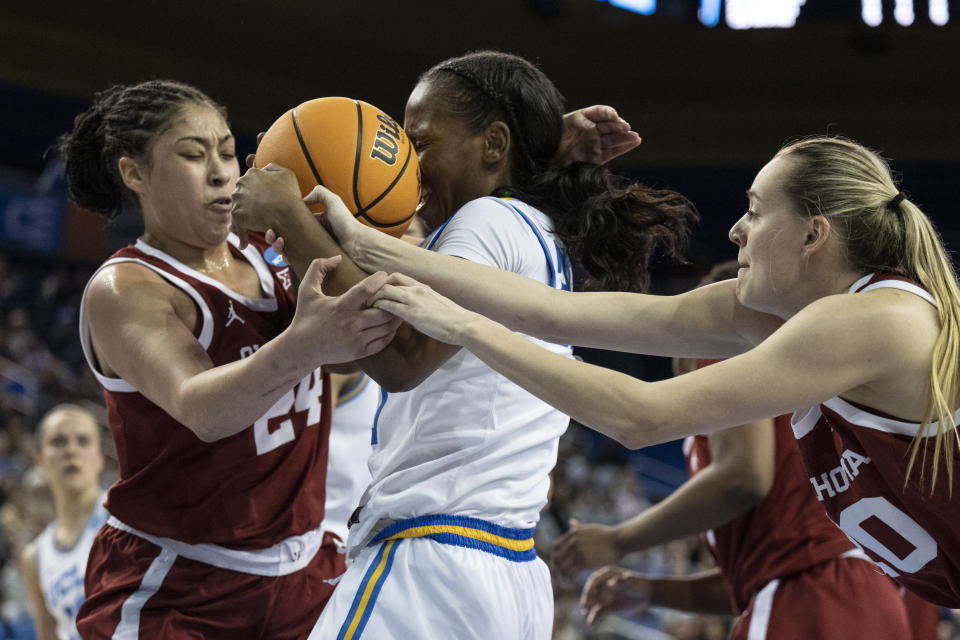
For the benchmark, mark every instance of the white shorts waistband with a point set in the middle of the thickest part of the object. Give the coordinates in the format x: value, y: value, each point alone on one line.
x: 285, y: 557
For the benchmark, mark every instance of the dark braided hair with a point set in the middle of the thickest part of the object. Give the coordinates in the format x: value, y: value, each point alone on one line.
x: 122, y: 121
x: 611, y: 227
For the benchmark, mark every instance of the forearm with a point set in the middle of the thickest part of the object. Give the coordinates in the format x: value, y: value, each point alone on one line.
x: 514, y: 300
x: 706, y: 501
x: 692, y: 325
x: 409, y: 358
x: 306, y: 240
x: 222, y: 401
x: 704, y: 592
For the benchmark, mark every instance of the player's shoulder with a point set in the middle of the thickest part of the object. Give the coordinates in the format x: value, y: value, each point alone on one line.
x: 881, y: 331
x: 888, y: 313
x: 29, y: 555
x: 495, y: 210
x: 125, y: 281
x: 123, y: 273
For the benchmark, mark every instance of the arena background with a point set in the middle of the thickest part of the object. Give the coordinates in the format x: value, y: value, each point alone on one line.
x: 712, y: 103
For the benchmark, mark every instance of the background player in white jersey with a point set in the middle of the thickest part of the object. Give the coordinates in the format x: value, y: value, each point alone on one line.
x: 348, y: 471
x: 461, y: 455
x: 844, y: 289
x: 53, y: 565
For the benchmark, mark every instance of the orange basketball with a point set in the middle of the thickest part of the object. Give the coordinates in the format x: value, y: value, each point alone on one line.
x: 355, y: 150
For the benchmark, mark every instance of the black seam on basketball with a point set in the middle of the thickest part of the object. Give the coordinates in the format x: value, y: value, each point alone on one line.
x: 382, y: 225
x: 390, y: 186
x: 303, y: 147
x: 356, y: 160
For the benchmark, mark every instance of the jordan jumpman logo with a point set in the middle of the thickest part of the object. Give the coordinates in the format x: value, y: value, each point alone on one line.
x: 233, y: 315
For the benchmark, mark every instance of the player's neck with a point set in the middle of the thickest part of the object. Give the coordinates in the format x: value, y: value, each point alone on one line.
x: 208, y: 260
x: 73, y: 511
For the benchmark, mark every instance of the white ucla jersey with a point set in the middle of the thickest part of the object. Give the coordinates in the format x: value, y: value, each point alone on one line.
x: 62, y: 570
x: 467, y: 441
x: 348, y: 475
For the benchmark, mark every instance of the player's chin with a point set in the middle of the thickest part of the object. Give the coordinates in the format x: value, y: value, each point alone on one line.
x: 743, y: 289
x: 431, y: 213
x: 218, y: 229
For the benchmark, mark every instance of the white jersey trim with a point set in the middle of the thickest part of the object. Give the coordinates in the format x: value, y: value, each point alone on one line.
x: 268, y: 303
x: 891, y: 284
x: 119, y: 384
x: 861, y: 418
x: 688, y: 445
x: 804, y: 421
x: 286, y: 557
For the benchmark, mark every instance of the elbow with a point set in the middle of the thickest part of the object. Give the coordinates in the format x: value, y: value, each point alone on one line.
x: 201, y: 423
x: 747, y: 487
x: 395, y: 382
x: 205, y: 432
x: 204, y: 435
x: 633, y: 433
x: 391, y: 385
x: 632, y: 440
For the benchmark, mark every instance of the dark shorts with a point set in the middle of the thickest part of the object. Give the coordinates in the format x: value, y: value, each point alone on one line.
x: 847, y: 598
x: 137, y: 589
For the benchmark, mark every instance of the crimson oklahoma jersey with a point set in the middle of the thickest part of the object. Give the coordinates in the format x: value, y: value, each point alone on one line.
x: 784, y: 533
x: 856, y: 460
x: 249, y: 490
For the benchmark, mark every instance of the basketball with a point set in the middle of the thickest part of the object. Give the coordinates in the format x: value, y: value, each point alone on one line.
x: 355, y: 150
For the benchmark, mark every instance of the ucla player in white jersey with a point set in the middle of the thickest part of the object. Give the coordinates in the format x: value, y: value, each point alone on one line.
x: 53, y: 565
x: 442, y: 545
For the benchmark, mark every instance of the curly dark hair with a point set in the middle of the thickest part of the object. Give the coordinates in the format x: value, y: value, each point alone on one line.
x: 610, y: 226
x: 122, y: 121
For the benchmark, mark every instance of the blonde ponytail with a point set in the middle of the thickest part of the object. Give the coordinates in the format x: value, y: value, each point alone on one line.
x: 930, y: 266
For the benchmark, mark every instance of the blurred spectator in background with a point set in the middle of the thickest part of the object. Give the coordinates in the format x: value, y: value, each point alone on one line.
x: 54, y: 564
x: 41, y: 365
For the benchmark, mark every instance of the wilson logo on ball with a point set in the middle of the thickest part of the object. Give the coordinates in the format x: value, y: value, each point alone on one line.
x: 387, y: 143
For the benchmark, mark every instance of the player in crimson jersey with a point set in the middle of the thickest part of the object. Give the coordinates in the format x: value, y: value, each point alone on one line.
x: 924, y: 617
x: 845, y: 301
x: 781, y: 563
x: 210, y: 368
x: 782, y: 566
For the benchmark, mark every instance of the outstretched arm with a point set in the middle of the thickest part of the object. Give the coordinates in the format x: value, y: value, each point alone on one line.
x: 821, y: 352
x: 706, y: 322
x: 615, y: 589
x: 739, y: 475
x: 142, y: 331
